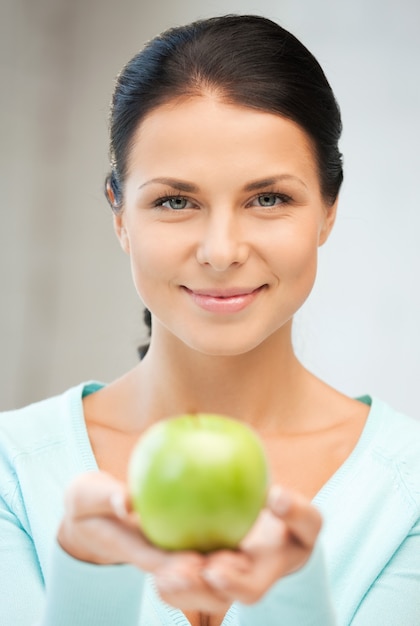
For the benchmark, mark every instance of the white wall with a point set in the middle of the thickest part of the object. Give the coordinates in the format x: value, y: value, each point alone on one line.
x: 360, y: 330
x: 68, y: 309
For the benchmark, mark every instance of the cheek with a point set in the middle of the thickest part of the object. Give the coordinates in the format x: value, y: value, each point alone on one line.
x: 296, y: 254
x: 306, y: 262
x: 156, y: 260
x: 147, y: 267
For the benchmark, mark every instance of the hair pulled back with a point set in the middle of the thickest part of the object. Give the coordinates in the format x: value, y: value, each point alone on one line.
x: 243, y: 59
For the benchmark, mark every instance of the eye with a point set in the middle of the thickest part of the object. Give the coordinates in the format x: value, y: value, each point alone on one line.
x: 174, y: 203
x: 268, y: 200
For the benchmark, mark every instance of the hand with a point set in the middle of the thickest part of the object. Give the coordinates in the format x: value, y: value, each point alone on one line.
x: 280, y: 543
x: 99, y: 526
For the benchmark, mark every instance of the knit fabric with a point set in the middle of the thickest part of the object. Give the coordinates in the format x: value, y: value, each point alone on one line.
x: 364, y: 570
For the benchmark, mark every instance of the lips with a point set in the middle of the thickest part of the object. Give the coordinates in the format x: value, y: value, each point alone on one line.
x: 224, y: 300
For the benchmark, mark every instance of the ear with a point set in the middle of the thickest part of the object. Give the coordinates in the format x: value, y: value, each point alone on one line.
x: 110, y: 194
x: 328, y: 222
x: 121, y: 231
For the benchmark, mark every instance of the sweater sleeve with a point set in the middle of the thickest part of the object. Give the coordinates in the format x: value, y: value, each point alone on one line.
x: 301, y: 598
x: 21, y: 581
x: 75, y: 592
x: 91, y: 595
x: 394, y: 597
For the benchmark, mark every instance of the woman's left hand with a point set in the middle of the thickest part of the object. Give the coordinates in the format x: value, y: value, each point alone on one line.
x: 280, y: 542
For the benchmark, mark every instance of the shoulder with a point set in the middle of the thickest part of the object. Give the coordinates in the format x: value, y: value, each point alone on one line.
x: 40, y: 424
x: 381, y: 478
x: 397, y: 433
x: 395, y: 439
x: 42, y: 446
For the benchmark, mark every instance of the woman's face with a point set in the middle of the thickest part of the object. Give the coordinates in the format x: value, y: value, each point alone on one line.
x: 222, y: 218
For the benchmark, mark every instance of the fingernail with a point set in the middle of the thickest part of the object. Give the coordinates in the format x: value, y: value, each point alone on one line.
x: 172, y: 583
x: 279, y: 500
x: 214, y: 578
x: 118, y: 504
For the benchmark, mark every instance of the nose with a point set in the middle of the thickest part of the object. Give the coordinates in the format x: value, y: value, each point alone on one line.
x: 222, y: 244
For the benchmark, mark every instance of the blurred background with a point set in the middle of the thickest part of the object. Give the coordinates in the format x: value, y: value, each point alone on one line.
x: 68, y: 309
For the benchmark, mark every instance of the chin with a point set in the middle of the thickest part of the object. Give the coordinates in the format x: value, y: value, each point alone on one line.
x: 228, y: 348
x: 222, y: 341
x: 223, y: 352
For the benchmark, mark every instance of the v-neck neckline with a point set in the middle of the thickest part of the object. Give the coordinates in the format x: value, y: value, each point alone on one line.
x: 331, y: 485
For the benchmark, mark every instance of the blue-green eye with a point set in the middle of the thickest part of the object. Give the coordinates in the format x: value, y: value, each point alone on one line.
x: 176, y: 203
x: 268, y: 199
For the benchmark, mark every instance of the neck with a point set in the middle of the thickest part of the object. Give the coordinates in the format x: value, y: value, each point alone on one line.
x: 256, y: 387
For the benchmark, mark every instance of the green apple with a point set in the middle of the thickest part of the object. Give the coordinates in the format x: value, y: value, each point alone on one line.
x: 198, y: 482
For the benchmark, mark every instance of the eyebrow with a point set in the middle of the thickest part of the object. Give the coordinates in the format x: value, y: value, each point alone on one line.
x: 173, y: 182
x: 266, y: 182
x: 182, y: 185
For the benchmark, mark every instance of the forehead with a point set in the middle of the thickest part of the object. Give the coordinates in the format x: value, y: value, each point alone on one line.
x: 203, y: 133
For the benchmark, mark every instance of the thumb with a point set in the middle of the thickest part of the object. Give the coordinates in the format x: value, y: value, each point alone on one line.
x: 302, y: 519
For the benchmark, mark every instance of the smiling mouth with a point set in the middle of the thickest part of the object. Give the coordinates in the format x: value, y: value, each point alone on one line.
x: 224, y: 300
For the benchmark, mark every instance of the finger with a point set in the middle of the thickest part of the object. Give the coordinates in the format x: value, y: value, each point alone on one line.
x: 236, y: 560
x: 234, y: 582
x: 244, y: 575
x: 90, y: 495
x: 96, y: 494
x: 249, y: 585
x: 121, y: 504
x: 227, y: 573
x: 191, y: 597
x: 268, y: 534
x: 106, y: 540
x: 303, y: 520
x: 279, y: 543
x: 180, y: 584
x: 99, y: 527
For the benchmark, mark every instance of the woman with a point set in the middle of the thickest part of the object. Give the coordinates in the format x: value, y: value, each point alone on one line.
x: 224, y: 183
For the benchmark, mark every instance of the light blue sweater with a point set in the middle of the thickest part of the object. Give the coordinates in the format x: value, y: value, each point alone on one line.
x: 365, y: 570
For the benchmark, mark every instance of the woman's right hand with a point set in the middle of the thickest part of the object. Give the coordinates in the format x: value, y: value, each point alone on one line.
x: 100, y: 527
